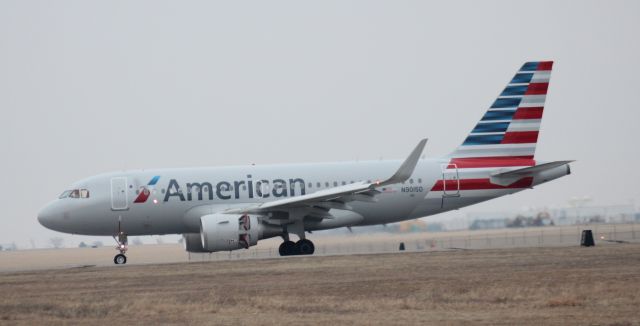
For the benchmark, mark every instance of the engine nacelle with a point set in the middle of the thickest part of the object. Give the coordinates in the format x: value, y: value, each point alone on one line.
x: 193, y: 242
x: 224, y: 232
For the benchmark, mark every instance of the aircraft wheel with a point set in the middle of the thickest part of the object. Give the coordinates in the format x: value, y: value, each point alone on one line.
x: 305, y: 247
x: 287, y: 248
x: 120, y: 259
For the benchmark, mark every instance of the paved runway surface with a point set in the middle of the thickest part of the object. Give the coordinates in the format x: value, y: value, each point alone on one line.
x: 357, y: 243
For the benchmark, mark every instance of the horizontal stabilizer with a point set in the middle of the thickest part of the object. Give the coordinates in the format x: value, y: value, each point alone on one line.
x: 508, y: 177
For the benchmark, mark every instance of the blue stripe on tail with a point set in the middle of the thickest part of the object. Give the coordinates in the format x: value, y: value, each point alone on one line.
x: 490, y: 127
x: 498, y: 115
x: 514, y: 90
x: 502, y: 103
x: 521, y: 78
x: 530, y: 66
x: 483, y: 139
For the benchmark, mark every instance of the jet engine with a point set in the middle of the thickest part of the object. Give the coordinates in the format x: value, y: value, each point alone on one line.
x: 192, y: 242
x: 223, y: 232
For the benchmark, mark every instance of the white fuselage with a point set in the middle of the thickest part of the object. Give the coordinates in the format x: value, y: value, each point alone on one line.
x: 179, y: 197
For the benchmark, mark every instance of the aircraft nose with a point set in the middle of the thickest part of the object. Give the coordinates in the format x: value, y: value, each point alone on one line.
x: 47, y: 217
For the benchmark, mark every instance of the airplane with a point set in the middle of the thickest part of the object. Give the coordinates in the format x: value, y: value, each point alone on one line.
x: 230, y: 208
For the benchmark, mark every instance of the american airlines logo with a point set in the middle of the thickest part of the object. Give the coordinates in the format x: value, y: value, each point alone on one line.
x: 226, y: 190
x: 144, y: 194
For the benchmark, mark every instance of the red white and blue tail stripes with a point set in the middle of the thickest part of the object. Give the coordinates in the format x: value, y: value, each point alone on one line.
x: 509, y: 129
x: 505, y: 137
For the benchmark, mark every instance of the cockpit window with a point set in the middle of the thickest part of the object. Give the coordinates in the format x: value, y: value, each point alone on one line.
x: 75, y: 193
x: 65, y: 194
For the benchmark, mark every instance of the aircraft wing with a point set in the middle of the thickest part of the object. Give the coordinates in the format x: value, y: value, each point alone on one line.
x: 338, y: 197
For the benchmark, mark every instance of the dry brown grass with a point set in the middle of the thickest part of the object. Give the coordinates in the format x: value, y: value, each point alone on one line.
x: 599, y: 286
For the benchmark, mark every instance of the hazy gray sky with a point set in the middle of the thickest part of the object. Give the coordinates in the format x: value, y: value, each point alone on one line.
x: 93, y: 86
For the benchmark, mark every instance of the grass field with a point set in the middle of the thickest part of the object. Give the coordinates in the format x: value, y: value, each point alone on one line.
x: 587, y: 286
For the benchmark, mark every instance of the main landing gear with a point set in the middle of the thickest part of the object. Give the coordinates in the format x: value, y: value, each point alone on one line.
x: 290, y: 248
x: 302, y: 247
x: 121, y: 241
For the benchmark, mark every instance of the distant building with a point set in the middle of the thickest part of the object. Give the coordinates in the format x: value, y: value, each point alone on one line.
x: 555, y: 216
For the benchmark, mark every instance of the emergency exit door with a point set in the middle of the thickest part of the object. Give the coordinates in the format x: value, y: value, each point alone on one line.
x: 450, y: 180
x: 450, y: 186
x: 119, y: 199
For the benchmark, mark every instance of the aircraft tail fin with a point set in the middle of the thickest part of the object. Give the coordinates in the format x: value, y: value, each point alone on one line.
x: 509, y: 129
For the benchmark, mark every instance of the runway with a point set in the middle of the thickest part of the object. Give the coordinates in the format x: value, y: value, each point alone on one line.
x: 327, y: 245
x: 524, y: 286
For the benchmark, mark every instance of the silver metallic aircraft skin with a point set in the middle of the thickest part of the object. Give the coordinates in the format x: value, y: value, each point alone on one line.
x: 95, y: 215
x: 228, y: 208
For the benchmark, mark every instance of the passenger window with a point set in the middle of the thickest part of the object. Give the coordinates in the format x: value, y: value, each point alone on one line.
x: 335, y: 183
x: 411, y: 181
x: 310, y: 185
x: 326, y: 184
x: 420, y: 180
x: 318, y: 184
x: 344, y: 183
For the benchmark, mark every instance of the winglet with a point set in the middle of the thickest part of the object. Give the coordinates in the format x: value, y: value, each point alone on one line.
x: 406, y: 169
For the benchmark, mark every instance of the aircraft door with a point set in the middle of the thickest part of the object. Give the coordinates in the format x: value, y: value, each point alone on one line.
x: 119, y: 200
x: 450, y: 183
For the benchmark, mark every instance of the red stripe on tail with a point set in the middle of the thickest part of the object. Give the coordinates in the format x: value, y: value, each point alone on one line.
x: 520, y: 137
x: 545, y: 65
x: 492, y: 162
x: 529, y: 113
x: 537, y: 89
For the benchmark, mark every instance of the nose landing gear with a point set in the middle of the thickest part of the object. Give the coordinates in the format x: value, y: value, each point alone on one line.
x: 120, y: 259
x: 122, y: 247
